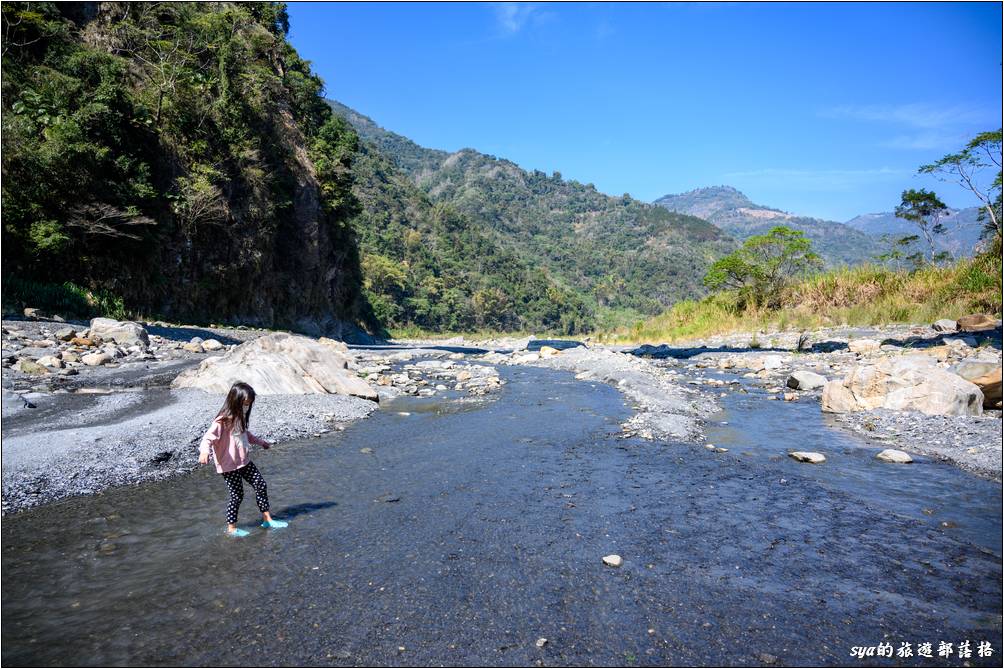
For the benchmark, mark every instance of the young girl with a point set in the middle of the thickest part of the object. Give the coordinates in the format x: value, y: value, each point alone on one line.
x: 228, y: 438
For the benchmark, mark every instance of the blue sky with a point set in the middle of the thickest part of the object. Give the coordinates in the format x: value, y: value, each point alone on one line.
x: 818, y: 109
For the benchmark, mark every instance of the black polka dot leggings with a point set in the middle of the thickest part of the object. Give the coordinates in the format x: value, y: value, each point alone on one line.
x: 250, y: 474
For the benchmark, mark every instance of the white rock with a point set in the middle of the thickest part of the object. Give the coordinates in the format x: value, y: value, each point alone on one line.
x: 863, y: 345
x: 212, y: 345
x: 805, y: 380
x: 808, y: 456
x: 278, y: 364
x: 773, y: 362
x: 96, y: 359
x: 613, y: 560
x: 51, y: 361
x: 945, y: 325
x: 892, y: 455
x: 121, y: 332
x: 913, y: 382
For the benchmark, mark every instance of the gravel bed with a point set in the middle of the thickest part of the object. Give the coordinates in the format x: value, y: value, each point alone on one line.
x: 970, y: 442
x: 158, y: 438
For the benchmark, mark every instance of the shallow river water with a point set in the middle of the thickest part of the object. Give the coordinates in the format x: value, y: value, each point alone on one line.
x: 468, y: 531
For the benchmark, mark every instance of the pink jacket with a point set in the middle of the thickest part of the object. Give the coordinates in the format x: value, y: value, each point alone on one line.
x: 230, y: 451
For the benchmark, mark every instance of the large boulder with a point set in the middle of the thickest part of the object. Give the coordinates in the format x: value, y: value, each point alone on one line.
x: 120, y: 332
x: 945, y: 325
x: 279, y: 364
x: 913, y: 383
x: 977, y: 323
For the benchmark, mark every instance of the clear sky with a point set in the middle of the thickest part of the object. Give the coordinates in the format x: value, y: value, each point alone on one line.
x: 818, y: 109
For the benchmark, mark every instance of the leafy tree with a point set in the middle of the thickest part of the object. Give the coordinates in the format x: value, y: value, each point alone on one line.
x: 763, y: 267
x: 900, y: 253
x: 976, y: 168
x: 924, y: 209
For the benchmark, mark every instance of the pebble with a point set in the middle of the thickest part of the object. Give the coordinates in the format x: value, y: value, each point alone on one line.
x: 613, y: 560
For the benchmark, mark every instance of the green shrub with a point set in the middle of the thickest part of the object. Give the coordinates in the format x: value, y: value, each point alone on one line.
x: 67, y: 299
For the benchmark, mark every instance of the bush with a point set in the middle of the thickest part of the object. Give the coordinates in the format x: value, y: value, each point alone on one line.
x: 67, y: 299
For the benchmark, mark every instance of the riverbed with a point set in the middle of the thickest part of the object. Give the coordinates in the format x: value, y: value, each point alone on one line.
x: 441, y: 531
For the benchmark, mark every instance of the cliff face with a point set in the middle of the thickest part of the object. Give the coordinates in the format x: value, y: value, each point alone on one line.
x: 178, y: 156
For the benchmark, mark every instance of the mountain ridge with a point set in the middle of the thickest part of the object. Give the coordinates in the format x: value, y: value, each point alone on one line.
x: 736, y: 214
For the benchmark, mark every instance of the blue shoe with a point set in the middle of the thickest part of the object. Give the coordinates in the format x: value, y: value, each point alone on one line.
x: 274, y: 524
x: 238, y: 533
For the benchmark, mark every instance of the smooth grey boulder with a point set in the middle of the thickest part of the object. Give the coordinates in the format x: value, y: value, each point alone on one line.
x: 806, y: 380
x: 120, y: 332
x: 945, y: 325
x: 279, y: 364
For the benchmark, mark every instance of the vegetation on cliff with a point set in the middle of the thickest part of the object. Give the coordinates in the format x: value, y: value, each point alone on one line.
x: 179, y: 156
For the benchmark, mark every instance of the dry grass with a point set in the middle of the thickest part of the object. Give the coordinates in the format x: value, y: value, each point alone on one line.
x: 863, y: 295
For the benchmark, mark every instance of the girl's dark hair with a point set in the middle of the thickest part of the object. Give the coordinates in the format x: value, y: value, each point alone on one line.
x: 233, y: 407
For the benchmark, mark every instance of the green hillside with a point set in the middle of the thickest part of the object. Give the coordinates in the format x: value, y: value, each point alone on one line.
x: 622, y: 256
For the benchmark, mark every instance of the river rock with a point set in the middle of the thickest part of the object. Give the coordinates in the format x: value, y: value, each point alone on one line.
x: 65, y: 334
x: 464, y: 375
x: 33, y: 313
x: 193, y: 347
x: 212, y: 345
x: 26, y: 366
x: 96, y: 359
x: 914, y: 383
x: 278, y: 364
x: 339, y: 346
x: 86, y: 342
x: 806, y: 380
x: 892, y: 455
x: 51, y: 361
x: 990, y: 385
x: 548, y: 351
x: 612, y: 560
x: 808, y: 456
x: 976, y: 323
x: 121, y: 332
x: 945, y: 325
x: 773, y: 362
x: 863, y: 345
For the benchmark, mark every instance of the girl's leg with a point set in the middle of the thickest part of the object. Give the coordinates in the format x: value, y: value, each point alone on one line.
x: 257, y: 481
x: 236, y: 487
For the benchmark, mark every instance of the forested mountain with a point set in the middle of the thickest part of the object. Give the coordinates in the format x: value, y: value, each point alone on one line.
x: 618, y: 254
x: 962, y: 230
x: 737, y: 215
x: 179, y: 157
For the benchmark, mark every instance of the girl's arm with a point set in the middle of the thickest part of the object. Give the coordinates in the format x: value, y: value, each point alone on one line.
x: 211, y: 437
x: 257, y: 441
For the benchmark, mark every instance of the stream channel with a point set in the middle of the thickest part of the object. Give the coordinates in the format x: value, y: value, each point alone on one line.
x: 467, y: 531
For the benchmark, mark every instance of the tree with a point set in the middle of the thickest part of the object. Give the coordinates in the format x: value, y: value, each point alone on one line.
x: 898, y: 248
x: 764, y: 266
x: 924, y: 209
x: 969, y: 168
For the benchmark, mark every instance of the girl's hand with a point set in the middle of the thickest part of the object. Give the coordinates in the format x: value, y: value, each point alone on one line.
x: 266, y: 445
x: 203, y: 458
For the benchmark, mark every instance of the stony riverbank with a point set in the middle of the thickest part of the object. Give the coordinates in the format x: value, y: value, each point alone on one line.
x: 767, y: 360
x: 77, y: 429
